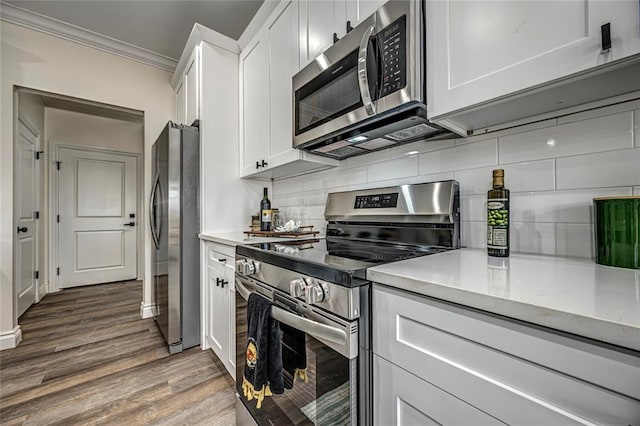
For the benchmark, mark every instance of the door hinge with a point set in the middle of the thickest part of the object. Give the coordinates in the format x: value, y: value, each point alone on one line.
x: 57, y: 164
x: 57, y: 271
x: 37, y: 153
x: 36, y: 274
x: 58, y: 219
x: 36, y: 215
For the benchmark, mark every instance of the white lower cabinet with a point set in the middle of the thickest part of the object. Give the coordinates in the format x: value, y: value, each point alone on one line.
x: 219, y: 304
x: 405, y: 399
x: 485, y: 367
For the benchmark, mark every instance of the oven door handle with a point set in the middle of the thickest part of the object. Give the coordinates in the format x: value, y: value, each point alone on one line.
x: 363, y: 78
x: 305, y: 325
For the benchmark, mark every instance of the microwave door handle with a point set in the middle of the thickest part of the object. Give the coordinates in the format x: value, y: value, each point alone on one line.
x: 363, y: 78
x: 305, y: 325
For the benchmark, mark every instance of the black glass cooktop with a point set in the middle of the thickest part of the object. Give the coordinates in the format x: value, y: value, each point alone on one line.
x: 342, y: 256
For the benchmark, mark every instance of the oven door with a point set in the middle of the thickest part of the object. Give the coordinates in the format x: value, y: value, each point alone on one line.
x: 329, y: 395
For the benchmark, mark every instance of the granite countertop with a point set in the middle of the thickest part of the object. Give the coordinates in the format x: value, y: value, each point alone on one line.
x: 568, y: 294
x: 238, y: 238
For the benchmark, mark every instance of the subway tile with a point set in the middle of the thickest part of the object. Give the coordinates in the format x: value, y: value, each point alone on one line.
x: 354, y: 176
x: 520, y: 177
x: 636, y: 190
x: 459, y: 140
x: 374, y: 157
x: 419, y: 147
x: 393, y: 169
x: 473, y: 234
x: 436, y: 177
x: 596, y: 135
x: 477, y: 154
x: 287, y: 186
x: 599, y: 112
x: 559, y: 206
x: 606, y: 169
x: 528, y: 237
x: 473, y: 207
x: 575, y: 240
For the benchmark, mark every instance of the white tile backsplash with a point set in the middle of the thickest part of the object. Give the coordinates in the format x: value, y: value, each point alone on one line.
x: 614, y: 168
x: 552, y: 187
x: 477, y: 154
x: 574, y: 239
x: 595, y: 135
x: 393, y: 169
x: 520, y: 177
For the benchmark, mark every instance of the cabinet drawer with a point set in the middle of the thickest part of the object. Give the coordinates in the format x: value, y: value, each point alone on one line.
x: 508, y: 370
x: 407, y: 400
x: 220, y: 253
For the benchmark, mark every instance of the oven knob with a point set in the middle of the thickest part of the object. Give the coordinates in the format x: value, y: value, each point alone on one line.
x: 297, y: 287
x: 314, y: 294
x: 252, y: 267
x: 240, y: 266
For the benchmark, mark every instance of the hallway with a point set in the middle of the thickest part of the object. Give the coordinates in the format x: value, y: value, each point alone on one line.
x: 87, y: 357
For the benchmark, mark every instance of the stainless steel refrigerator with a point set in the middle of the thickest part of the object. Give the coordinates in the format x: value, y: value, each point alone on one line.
x: 174, y: 219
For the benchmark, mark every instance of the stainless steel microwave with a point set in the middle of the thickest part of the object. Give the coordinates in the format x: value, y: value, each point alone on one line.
x: 367, y: 91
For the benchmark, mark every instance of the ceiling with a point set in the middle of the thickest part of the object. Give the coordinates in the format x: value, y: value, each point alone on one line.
x: 161, y: 26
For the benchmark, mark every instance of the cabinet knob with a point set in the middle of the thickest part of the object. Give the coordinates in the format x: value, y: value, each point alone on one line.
x: 349, y: 27
x: 335, y: 38
x: 258, y: 164
x: 264, y: 163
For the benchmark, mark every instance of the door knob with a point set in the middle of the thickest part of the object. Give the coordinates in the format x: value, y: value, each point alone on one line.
x: 22, y: 229
x: 130, y: 224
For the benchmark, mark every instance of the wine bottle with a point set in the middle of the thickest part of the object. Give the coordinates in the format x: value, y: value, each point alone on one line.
x: 265, y: 212
x: 498, y: 217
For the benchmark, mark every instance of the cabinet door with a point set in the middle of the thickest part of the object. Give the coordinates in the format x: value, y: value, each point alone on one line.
x: 180, y: 103
x: 255, y: 103
x: 192, y: 88
x: 400, y: 398
x: 218, y: 325
x: 480, y: 50
x: 283, y: 64
x: 317, y: 25
x: 359, y: 10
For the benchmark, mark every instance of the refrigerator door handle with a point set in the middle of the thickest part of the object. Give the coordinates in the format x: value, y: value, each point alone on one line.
x: 152, y: 210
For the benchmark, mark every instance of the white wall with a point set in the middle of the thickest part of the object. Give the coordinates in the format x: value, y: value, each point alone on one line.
x: 85, y: 129
x: 554, y: 169
x: 40, y: 61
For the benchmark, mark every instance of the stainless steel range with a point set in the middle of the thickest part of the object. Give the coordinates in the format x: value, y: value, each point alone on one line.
x: 322, y: 299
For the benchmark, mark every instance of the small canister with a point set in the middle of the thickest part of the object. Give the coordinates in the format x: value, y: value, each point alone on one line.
x: 617, y: 231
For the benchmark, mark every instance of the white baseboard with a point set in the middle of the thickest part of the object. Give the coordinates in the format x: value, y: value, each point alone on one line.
x: 147, y: 311
x: 10, y: 339
x: 42, y: 291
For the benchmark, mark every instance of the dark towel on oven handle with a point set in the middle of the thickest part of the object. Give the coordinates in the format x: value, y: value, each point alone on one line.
x: 263, y: 359
x: 294, y: 355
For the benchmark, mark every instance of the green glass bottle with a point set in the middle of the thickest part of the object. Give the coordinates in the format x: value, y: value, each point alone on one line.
x: 265, y: 212
x: 498, y: 217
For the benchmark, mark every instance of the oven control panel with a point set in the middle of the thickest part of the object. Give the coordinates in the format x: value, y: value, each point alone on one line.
x: 376, y: 201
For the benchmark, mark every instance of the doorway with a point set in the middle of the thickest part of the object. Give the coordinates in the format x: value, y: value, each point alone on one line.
x: 102, y: 147
x: 95, y: 205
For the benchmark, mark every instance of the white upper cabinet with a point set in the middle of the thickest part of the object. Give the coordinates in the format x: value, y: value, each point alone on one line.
x: 192, y: 89
x: 268, y: 64
x: 254, y: 64
x: 319, y: 20
x: 478, y: 51
x: 180, y: 102
x: 283, y: 64
x: 359, y: 10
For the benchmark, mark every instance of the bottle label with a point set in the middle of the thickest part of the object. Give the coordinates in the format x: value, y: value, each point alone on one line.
x: 266, y: 215
x: 498, y: 223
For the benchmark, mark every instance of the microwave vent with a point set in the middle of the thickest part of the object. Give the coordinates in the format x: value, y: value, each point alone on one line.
x: 376, y: 144
x: 420, y: 130
x: 340, y: 152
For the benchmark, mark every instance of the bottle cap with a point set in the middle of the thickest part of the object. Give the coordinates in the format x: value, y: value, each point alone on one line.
x: 498, y: 173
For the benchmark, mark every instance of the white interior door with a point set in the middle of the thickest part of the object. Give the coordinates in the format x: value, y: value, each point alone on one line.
x: 26, y: 187
x: 97, y: 237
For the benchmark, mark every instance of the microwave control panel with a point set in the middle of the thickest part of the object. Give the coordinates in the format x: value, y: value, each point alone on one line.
x: 393, y: 50
x: 378, y: 201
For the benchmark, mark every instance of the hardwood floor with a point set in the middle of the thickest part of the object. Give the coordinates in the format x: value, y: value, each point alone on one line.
x: 88, y: 358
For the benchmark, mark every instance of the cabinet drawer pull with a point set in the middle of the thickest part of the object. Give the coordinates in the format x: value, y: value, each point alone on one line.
x: 222, y: 260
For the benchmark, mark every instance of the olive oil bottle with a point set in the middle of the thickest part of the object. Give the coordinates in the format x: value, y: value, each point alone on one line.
x: 498, y: 217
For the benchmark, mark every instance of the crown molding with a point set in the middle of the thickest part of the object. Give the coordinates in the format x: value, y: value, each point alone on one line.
x: 35, y: 21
